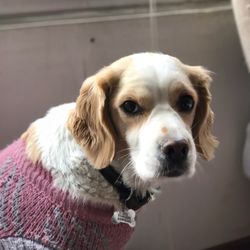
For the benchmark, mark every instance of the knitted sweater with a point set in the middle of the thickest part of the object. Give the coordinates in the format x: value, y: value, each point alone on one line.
x: 35, y: 215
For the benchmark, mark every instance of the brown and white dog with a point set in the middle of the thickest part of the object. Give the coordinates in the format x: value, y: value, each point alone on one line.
x: 143, y: 114
x: 147, y: 115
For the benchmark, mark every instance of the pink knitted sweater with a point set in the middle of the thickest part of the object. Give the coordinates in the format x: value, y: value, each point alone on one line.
x: 35, y: 215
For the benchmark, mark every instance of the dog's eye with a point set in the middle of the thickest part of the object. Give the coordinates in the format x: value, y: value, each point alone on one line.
x: 186, y: 103
x: 131, y: 108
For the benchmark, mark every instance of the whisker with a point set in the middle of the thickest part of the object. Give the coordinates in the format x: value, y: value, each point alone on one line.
x: 123, y: 157
x: 194, y: 125
x: 126, y: 166
x: 126, y: 149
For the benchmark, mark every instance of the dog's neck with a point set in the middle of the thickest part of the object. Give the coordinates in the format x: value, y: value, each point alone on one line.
x: 130, y: 178
x: 64, y: 158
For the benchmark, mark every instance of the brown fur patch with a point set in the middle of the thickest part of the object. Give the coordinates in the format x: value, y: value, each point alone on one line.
x: 175, y: 91
x: 32, y: 150
x: 164, y: 130
x: 205, y: 141
x: 91, y: 123
x: 123, y: 122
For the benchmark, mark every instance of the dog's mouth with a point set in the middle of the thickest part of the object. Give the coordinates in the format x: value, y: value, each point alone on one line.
x: 174, y: 169
x: 174, y: 172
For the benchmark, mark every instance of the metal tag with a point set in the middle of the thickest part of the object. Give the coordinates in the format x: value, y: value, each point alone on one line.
x: 126, y: 216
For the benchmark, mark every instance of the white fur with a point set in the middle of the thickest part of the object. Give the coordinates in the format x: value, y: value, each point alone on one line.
x: 57, y: 145
x: 61, y: 155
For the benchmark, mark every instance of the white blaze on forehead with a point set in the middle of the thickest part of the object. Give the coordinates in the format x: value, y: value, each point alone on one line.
x: 157, y: 69
x: 154, y: 73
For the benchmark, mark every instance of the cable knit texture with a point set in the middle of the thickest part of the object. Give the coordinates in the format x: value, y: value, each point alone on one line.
x: 36, y: 215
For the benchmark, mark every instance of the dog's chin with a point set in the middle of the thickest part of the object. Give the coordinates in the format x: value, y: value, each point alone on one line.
x: 174, y: 173
x: 157, y: 173
x: 185, y: 171
x: 163, y: 176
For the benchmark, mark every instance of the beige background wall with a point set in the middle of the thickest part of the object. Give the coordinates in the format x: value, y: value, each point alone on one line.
x: 45, y: 66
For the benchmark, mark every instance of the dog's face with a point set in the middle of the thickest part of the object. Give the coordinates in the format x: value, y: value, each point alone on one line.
x: 148, y: 112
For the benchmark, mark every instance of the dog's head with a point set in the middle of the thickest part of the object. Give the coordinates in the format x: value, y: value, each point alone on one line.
x: 148, y: 112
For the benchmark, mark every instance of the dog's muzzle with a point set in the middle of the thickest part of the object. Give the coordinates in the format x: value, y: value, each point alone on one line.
x: 173, y: 158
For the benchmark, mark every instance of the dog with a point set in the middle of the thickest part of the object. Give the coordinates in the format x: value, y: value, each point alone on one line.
x: 77, y: 177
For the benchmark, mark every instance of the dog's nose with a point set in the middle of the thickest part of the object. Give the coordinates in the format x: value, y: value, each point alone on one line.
x: 175, y: 152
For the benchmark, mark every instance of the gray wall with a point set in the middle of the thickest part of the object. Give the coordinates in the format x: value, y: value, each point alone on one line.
x: 17, y: 7
x: 45, y: 66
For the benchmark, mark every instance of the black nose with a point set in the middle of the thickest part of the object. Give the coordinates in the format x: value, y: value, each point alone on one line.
x: 175, y: 152
x: 173, y: 158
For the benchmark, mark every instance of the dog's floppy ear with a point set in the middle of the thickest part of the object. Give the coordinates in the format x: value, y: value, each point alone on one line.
x: 204, y: 117
x: 90, y: 122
